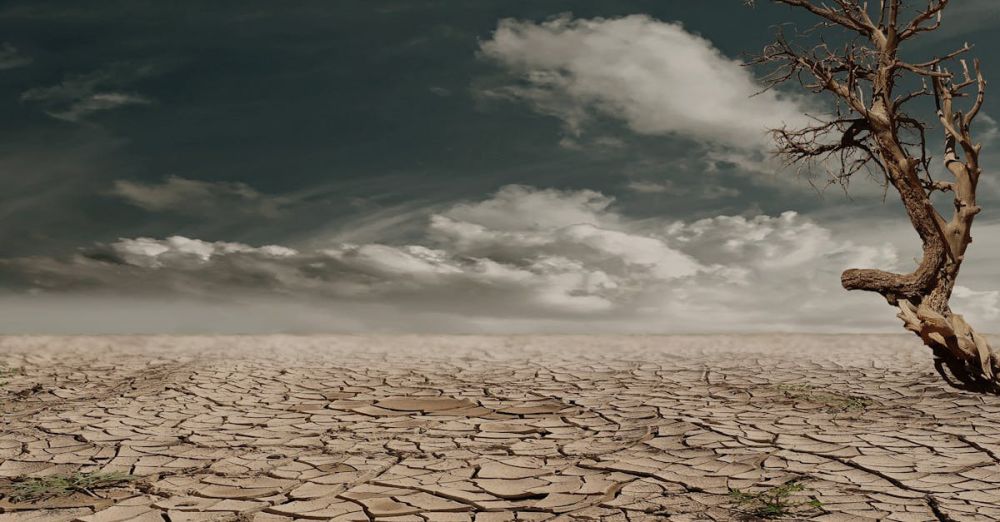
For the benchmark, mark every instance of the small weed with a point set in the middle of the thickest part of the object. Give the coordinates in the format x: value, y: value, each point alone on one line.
x: 772, y: 503
x: 31, y: 489
x: 833, y: 401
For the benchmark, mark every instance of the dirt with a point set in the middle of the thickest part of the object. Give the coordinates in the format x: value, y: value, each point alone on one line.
x: 496, y: 428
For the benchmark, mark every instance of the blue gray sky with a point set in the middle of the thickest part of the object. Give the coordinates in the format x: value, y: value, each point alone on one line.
x: 433, y: 166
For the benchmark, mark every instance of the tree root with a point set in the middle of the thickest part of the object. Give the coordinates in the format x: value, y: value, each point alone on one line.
x: 963, y: 357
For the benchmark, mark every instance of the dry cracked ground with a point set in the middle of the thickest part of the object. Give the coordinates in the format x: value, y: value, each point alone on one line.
x: 468, y: 428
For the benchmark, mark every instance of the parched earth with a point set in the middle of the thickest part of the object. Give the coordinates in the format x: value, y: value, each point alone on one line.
x: 463, y: 428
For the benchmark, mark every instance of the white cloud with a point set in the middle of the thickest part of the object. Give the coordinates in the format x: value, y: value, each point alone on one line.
x: 79, y: 96
x: 152, y: 253
x: 990, y: 129
x: 656, y: 76
x: 702, y: 192
x: 198, y: 198
x: 652, y: 187
x: 978, y: 307
x: 11, y: 57
x: 522, y: 259
x: 517, y: 207
x: 765, y: 243
x: 102, y: 101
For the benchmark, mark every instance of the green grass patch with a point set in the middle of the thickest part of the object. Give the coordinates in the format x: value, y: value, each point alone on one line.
x: 776, y: 502
x: 32, y: 489
x: 832, y: 400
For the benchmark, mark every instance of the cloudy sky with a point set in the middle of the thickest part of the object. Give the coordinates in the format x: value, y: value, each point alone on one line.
x: 433, y: 166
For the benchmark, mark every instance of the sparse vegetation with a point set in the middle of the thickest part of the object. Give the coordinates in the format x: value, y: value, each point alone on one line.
x: 832, y: 400
x: 775, y: 502
x: 32, y: 489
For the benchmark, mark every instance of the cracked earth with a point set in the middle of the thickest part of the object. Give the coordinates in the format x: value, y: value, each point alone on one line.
x: 468, y: 428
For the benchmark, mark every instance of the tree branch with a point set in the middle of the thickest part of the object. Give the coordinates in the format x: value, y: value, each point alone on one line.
x: 932, y: 12
x: 846, y: 17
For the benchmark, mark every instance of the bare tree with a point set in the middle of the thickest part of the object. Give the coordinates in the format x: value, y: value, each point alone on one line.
x: 873, y: 129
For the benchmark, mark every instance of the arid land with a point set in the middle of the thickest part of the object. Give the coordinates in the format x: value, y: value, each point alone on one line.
x: 463, y: 428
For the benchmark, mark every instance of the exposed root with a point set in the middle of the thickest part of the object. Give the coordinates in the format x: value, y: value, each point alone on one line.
x: 963, y: 357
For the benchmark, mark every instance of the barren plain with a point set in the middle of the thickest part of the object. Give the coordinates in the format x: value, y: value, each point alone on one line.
x: 483, y: 428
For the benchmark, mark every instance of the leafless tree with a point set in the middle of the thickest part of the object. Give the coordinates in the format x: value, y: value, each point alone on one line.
x: 874, y: 128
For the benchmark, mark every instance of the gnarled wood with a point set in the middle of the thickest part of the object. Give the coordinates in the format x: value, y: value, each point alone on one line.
x: 871, y: 131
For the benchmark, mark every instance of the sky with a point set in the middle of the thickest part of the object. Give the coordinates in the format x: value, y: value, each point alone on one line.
x: 485, y: 166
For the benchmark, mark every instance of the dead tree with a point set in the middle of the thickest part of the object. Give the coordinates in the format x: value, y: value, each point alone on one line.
x: 874, y: 127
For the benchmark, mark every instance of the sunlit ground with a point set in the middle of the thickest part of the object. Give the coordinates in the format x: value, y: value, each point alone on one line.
x: 490, y: 428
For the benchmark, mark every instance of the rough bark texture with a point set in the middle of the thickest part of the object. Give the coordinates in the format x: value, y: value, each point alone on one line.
x: 872, y: 131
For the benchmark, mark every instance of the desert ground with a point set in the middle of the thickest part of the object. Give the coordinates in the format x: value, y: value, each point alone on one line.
x: 481, y: 428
